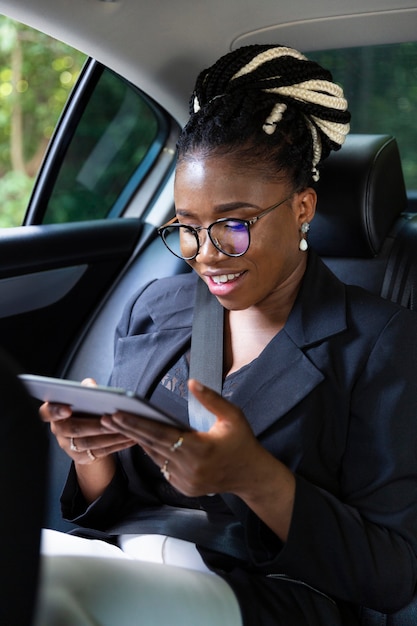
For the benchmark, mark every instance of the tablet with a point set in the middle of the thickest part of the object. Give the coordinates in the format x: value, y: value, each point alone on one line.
x: 94, y: 401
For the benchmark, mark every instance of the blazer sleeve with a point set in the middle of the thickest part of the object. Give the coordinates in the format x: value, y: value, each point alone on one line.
x: 160, y: 305
x: 360, y: 545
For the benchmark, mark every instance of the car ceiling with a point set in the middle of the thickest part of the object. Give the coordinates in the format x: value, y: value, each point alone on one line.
x: 161, y: 45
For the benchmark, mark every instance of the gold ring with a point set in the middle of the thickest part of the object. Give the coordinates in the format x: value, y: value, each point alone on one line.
x: 164, y: 471
x: 73, y: 445
x: 177, y: 444
x: 91, y: 455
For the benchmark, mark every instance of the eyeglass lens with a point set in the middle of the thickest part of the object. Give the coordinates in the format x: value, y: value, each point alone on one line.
x: 230, y: 237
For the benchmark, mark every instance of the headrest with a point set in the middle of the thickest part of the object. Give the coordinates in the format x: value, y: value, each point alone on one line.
x: 360, y: 193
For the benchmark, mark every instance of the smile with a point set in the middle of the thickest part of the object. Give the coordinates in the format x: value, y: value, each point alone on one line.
x: 225, y: 278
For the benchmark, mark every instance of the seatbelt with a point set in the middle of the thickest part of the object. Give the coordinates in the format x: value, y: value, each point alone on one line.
x: 206, y: 357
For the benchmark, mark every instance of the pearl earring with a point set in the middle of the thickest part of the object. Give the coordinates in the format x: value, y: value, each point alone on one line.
x: 303, y: 245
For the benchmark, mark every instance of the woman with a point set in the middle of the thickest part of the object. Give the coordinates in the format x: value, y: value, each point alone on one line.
x: 309, y: 459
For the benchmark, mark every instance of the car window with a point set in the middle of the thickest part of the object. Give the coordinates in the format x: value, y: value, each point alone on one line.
x: 37, y: 74
x: 76, y: 139
x: 114, y: 142
x: 380, y: 83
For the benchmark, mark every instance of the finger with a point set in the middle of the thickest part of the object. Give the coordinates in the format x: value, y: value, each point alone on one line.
x: 142, y: 429
x: 223, y: 409
x: 89, y: 382
x: 92, y: 453
x: 79, y: 427
x: 50, y: 412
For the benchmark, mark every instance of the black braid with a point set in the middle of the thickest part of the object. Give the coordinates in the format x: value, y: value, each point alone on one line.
x: 232, y: 114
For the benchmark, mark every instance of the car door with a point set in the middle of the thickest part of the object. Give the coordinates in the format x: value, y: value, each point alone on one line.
x: 109, y: 159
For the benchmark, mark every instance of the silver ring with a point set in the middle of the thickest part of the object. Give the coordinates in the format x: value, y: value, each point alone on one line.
x: 177, y: 444
x: 164, y: 471
x: 91, y: 455
x: 73, y: 445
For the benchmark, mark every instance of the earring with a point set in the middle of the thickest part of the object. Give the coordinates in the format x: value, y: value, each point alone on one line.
x: 303, y: 245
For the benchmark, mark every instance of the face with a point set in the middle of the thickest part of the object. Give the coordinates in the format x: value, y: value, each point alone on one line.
x: 210, y: 188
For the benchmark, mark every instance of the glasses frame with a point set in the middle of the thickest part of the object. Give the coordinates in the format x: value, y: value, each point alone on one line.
x: 195, y: 230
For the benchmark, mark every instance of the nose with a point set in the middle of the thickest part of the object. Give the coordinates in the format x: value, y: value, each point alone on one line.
x: 207, y: 250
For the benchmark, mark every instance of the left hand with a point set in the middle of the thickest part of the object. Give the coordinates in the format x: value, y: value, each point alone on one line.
x: 212, y: 462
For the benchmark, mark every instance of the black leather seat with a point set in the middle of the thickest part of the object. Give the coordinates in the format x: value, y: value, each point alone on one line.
x: 361, y: 228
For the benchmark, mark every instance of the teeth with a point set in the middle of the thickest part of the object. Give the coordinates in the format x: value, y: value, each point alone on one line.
x: 224, y: 278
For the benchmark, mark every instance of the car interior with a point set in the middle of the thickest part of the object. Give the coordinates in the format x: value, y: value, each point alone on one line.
x: 89, y: 237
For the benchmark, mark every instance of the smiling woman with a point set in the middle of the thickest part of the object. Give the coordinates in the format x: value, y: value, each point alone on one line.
x: 299, y: 501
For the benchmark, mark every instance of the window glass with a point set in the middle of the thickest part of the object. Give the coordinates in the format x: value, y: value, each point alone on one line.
x: 115, y: 142
x: 37, y: 74
x: 380, y: 83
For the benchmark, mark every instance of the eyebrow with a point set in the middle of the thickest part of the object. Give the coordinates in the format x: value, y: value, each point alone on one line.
x: 221, y: 209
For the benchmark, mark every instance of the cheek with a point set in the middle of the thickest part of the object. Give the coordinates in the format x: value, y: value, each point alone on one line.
x: 275, y: 246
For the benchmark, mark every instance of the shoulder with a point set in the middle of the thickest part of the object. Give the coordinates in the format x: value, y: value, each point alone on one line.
x: 167, y: 292
x: 375, y: 311
x: 163, y: 303
x: 328, y: 307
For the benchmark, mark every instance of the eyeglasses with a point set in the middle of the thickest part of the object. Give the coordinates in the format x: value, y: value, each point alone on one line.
x: 229, y: 236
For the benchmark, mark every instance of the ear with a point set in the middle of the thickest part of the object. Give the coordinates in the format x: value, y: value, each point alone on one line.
x: 306, y: 205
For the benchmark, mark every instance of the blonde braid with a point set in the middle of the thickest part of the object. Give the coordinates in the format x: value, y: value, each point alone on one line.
x: 319, y: 92
x: 268, y: 55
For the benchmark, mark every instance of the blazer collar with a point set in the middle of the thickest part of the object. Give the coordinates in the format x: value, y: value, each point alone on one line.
x: 284, y: 374
x: 320, y: 308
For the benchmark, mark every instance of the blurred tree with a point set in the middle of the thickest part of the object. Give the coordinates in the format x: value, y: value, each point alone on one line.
x: 380, y: 83
x: 36, y: 76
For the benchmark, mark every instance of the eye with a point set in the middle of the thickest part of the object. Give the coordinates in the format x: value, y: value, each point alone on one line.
x: 235, y: 227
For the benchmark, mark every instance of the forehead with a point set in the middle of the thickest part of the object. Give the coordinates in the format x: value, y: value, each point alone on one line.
x: 220, y: 175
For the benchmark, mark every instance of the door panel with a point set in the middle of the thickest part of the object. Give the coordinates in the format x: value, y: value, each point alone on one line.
x: 51, y: 279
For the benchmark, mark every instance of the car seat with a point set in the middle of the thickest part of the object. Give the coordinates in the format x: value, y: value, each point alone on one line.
x: 361, y: 228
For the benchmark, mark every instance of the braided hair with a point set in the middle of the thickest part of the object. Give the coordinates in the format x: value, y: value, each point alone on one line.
x: 269, y: 106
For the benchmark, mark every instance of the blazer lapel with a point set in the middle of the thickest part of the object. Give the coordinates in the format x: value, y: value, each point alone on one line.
x: 141, y: 359
x: 284, y: 371
x: 282, y: 374
x: 160, y: 331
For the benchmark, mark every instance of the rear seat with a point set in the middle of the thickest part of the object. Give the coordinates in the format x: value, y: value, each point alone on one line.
x: 362, y: 232
x: 361, y: 228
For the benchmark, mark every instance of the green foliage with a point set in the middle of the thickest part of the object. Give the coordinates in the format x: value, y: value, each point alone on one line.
x: 36, y: 77
x: 15, y: 189
x: 380, y: 83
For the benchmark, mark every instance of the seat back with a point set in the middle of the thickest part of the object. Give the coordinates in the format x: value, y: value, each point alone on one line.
x: 361, y: 229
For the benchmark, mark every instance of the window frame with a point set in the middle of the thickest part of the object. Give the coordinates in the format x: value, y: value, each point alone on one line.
x: 64, y: 132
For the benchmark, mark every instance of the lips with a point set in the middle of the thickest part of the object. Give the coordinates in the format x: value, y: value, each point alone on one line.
x: 224, y: 278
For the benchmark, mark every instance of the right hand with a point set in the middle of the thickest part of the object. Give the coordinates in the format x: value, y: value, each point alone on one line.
x: 83, y: 438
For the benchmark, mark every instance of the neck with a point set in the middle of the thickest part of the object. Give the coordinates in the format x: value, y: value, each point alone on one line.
x: 247, y: 332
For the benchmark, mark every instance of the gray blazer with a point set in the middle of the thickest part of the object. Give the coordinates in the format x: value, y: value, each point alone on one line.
x: 334, y: 397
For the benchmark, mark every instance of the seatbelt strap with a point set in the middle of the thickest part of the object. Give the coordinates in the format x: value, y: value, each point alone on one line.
x: 206, y: 358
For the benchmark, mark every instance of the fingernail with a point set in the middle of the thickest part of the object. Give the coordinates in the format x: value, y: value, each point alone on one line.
x: 63, y: 411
